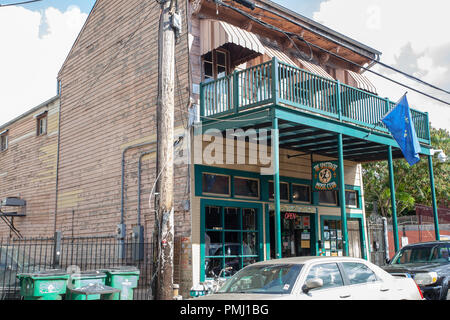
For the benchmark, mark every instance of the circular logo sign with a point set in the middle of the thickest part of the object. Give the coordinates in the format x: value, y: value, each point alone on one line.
x: 325, y: 175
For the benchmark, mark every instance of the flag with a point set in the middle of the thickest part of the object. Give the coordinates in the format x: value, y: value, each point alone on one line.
x: 400, y: 124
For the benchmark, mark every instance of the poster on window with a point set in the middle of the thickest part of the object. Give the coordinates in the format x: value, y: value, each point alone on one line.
x: 306, y: 222
x: 325, y: 176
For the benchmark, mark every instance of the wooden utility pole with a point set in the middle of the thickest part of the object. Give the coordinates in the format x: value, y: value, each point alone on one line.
x: 165, y: 112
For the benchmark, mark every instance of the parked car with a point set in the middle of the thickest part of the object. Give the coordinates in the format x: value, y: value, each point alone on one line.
x: 318, y: 278
x: 428, y: 263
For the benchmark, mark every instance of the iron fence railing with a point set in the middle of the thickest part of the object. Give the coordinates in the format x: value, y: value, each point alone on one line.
x: 278, y: 83
x: 74, y: 255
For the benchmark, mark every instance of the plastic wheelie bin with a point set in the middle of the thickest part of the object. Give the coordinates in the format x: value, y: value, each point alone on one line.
x: 78, y: 282
x: 43, y: 285
x: 124, y: 278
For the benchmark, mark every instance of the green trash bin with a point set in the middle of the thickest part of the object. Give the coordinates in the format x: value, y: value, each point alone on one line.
x: 124, y: 278
x: 43, y: 285
x: 83, y: 280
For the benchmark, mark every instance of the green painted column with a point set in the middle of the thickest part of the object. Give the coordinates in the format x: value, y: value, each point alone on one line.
x: 394, y: 207
x: 433, y: 198
x: 342, y: 193
x: 276, y: 187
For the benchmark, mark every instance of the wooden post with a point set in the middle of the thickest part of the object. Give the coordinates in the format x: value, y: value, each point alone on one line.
x: 433, y: 198
x: 393, y: 201
x: 276, y: 187
x: 165, y: 113
x: 342, y: 193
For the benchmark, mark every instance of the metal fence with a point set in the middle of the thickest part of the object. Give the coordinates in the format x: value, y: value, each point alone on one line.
x: 75, y: 254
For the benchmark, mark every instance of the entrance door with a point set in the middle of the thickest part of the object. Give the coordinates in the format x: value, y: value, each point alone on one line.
x: 354, y: 238
x: 295, y: 234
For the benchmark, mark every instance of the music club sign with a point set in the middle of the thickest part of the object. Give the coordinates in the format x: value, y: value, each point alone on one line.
x: 325, y: 176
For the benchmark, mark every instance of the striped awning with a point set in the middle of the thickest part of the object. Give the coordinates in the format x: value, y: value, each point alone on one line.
x: 275, y: 52
x: 314, y: 68
x: 361, y: 82
x: 215, y: 34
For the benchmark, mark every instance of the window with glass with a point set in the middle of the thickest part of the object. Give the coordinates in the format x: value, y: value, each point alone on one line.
x: 42, y: 125
x: 266, y: 279
x: 216, y: 184
x: 328, y: 197
x: 246, y: 188
x: 358, y: 273
x: 329, y: 273
x: 215, y: 64
x: 332, y: 242
x: 351, y: 198
x: 284, y: 190
x: 301, y: 193
x: 231, y: 239
x: 4, y: 141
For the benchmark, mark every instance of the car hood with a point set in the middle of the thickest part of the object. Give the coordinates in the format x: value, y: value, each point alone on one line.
x: 243, y: 296
x: 414, y: 268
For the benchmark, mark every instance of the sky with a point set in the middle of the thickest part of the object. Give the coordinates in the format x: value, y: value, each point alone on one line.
x: 36, y: 38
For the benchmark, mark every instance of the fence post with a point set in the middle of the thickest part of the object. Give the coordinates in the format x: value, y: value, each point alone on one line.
x: 57, y: 250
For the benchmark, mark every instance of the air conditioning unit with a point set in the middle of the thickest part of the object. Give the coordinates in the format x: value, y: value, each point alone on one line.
x: 13, y: 202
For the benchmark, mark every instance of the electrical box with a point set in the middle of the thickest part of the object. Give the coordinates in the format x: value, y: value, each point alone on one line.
x: 121, y: 231
x: 137, y: 245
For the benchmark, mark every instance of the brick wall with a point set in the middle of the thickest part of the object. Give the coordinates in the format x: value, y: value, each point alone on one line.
x: 28, y: 170
x: 108, y: 103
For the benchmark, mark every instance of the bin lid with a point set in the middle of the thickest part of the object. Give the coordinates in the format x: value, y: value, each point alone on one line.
x: 88, y: 275
x: 121, y: 269
x: 44, y: 274
x: 95, y: 288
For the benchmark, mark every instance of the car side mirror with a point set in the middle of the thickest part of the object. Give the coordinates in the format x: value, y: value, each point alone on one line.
x: 312, y: 284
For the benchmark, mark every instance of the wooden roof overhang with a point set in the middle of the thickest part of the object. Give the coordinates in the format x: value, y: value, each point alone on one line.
x: 311, y: 31
x: 307, y: 133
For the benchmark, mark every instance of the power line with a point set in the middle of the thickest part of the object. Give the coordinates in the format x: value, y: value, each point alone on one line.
x: 349, y: 48
x: 269, y: 26
x: 18, y: 3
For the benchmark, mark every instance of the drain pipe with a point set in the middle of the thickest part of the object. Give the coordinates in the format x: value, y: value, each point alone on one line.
x: 143, y: 154
x: 121, y: 228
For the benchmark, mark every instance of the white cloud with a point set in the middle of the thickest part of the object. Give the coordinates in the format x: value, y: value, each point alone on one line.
x: 411, y: 34
x: 34, y: 46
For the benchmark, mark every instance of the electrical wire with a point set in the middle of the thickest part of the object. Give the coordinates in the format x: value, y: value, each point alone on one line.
x: 349, y: 48
x: 269, y: 26
x: 18, y: 3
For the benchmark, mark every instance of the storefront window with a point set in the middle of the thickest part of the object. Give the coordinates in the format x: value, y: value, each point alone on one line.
x: 216, y: 184
x: 284, y: 190
x: 351, y: 198
x: 248, y: 188
x: 231, y: 239
x: 300, y: 193
x: 332, y: 242
x: 328, y: 197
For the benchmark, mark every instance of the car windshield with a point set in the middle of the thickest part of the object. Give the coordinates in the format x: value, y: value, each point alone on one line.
x: 264, y: 279
x: 422, y: 254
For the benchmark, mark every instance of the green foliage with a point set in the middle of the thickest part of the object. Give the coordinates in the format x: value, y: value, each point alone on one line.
x: 412, y: 184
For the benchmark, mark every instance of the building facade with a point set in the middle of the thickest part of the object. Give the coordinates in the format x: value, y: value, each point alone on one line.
x: 241, y: 84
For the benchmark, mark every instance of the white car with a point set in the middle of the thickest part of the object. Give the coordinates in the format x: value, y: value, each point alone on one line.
x: 316, y: 278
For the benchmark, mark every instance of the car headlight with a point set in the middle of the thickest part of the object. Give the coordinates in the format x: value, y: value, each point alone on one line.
x: 427, y: 278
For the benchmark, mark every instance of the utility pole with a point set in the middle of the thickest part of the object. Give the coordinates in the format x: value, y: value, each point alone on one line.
x: 165, y: 119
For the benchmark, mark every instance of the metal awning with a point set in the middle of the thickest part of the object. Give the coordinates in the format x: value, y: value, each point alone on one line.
x: 361, y: 82
x: 314, y: 68
x: 215, y: 34
x: 273, y: 51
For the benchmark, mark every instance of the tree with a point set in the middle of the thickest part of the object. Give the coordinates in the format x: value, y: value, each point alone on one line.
x: 412, y: 184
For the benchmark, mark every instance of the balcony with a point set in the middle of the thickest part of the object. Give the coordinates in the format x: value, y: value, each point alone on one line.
x: 276, y: 83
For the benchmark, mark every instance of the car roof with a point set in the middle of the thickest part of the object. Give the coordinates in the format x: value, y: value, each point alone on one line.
x: 304, y: 260
x: 428, y: 243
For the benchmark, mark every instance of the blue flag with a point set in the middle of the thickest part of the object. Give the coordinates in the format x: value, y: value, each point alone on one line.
x: 400, y: 124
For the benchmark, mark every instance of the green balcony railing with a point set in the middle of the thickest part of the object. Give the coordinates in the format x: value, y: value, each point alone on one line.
x: 278, y: 83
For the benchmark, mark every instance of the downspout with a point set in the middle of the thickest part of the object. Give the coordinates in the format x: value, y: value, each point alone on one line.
x: 57, y: 157
x: 122, y: 195
x: 143, y: 154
